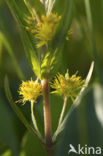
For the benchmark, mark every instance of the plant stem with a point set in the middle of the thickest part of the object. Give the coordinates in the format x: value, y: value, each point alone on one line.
x: 60, y: 119
x: 49, y: 7
x: 62, y: 112
x: 32, y: 11
x: 47, y: 117
x: 33, y: 119
x: 43, y: 2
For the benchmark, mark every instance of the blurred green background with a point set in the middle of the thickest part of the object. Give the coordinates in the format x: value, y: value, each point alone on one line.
x: 85, y: 124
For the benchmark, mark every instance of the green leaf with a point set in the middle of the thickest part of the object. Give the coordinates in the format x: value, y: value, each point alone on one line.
x: 7, y: 153
x: 57, y: 44
x: 51, y: 61
x: 1, y: 1
x: 3, y: 148
x: 98, y: 102
x: 32, y: 57
x: 45, y: 66
x: 66, y: 13
x: 31, y: 146
x: 5, y: 42
x: 39, y: 7
x: 93, y: 40
x: 56, y: 62
x: 1, y: 47
x: 20, y: 11
x: 8, y: 135
x: 82, y: 127
x: 17, y: 110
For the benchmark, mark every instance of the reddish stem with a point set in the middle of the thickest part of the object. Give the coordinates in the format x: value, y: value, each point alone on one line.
x: 47, y: 117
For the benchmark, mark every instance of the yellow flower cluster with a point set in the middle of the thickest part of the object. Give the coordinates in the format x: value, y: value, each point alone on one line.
x: 30, y: 91
x: 67, y: 86
x: 45, y: 30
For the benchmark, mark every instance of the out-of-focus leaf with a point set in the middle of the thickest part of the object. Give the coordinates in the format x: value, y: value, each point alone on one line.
x: 7, y: 130
x: 98, y: 102
x: 33, y: 59
x: 31, y: 146
x: 82, y: 127
x: 65, y: 12
x: 60, y: 36
x: 7, y: 153
x: 4, y: 42
x: 1, y: 46
x: 20, y: 11
x: 1, y: 1
x: 3, y: 148
x: 92, y: 33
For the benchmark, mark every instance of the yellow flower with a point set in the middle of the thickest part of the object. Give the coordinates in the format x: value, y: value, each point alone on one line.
x: 45, y: 30
x: 29, y: 91
x: 67, y: 86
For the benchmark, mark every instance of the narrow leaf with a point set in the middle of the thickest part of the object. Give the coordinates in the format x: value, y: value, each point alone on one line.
x: 98, y: 102
x: 20, y: 11
x: 17, y: 110
x: 5, y: 42
x: 92, y: 33
x: 39, y: 7
x: 66, y: 13
x: 58, y: 41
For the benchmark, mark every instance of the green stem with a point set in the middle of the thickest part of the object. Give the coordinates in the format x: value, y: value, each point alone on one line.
x: 33, y: 118
x: 32, y: 11
x: 60, y: 119
x: 49, y: 7
x: 62, y: 112
x: 43, y: 2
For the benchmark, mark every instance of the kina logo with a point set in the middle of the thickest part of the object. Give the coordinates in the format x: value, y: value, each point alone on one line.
x: 84, y: 150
